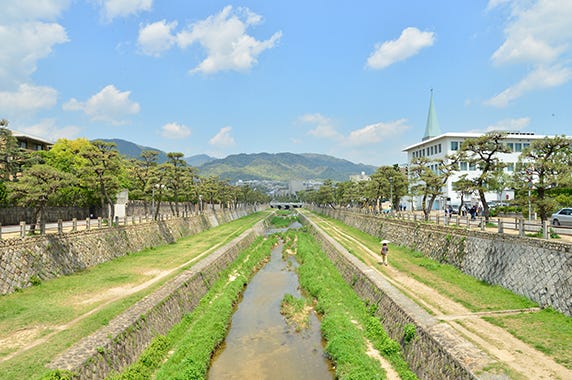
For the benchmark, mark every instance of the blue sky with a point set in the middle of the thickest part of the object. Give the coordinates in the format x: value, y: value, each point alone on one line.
x: 348, y: 79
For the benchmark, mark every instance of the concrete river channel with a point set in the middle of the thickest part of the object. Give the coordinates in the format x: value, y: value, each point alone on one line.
x: 260, y: 344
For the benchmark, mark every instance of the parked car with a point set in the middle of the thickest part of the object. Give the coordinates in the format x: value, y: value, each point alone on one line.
x: 562, y: 218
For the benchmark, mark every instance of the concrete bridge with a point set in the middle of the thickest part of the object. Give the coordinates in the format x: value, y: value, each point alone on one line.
x: 285, y: 205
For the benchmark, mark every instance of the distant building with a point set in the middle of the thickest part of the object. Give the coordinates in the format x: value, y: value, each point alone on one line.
x: 360, y: 177
x: 31, y: 143
x: 436, y: 145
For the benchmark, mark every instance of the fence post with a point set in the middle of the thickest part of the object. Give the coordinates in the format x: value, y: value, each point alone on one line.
x: 74, y: 224
x: 99, y: 222
x: 482, y: 224
x: 22, y: 229
x: 60, y: 227
x: 500, y: 225
x: 521, y: 227
x: 87, y: 224
x: 468, y: 222
x: 415, y: 218
x: 0, y: 231
x: 437, y: 220
x: 545, y: 231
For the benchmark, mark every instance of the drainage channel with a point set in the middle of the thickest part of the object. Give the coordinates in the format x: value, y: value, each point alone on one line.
x: 260, y: 344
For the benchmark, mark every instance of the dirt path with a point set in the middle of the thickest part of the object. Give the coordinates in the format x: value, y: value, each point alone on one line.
x: 495, y: 341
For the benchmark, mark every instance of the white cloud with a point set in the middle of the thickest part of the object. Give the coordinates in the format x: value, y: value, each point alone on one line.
x: 223, y: 138
x: 322, y: 127
x: 537, y: 34
x: 108, y: 105
x: 18, y: 10
x: 409, y: 43
x: 375, y: 133
x: 225, y: 40
x: 510, y: 125
x: 156, y: 38
x: 35, y: 40
x: 541, y: 77
x: 175, y: 131
x: 27, y: 98
x: 123, y: 8
x: 47, y: 129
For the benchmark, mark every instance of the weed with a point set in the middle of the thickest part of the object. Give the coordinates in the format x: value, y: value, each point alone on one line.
x: 409, y: 333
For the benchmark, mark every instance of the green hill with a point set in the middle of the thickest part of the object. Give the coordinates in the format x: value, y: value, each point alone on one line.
x: 283, y: 166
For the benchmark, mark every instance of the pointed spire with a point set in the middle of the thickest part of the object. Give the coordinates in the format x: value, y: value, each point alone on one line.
x: 432, y: 128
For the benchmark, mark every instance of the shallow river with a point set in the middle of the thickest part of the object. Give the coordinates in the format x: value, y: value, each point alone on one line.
x: 260, y: 345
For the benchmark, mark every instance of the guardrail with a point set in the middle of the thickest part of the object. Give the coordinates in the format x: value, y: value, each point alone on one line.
x: 24, y: 230
x: 508, y: 225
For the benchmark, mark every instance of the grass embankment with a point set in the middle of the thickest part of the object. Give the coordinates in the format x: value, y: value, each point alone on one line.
x: 69, y: 308
x: 347, y: 323
x: 546, y: 330
x: 283, y: 219
x: 196, y: 337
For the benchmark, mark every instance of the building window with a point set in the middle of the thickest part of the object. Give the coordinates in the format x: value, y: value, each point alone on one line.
x: 472, y: 167
x: 22, y: 144
x: 518, y: 147
x: 454, y: 145
x: 510, y: 167
x: 510, y: 146
x: 463, y: 166
x: 525, y: 145
x: 439, y: 148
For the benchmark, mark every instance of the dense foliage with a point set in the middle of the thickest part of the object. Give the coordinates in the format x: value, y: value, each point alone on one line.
x: 91, y: 173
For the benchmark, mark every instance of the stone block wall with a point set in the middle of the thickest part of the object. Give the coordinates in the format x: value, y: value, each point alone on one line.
x: 119, y: 344
x: 23, y: 261
x: 540, y: 270
x: 435, y: 351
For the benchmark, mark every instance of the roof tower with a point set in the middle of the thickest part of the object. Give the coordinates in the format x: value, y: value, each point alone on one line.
x: 432, y: 128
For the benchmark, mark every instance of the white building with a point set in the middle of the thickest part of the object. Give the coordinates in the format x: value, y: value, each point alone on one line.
x: 436, y: 145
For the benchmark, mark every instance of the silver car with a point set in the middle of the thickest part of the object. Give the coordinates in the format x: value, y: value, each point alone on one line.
x: 562, y: 217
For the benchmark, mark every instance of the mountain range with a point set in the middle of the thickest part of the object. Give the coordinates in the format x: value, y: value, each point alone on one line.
x: 261, y: 166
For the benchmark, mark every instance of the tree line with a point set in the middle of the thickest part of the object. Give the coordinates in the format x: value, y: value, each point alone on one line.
x: 544, y: 169
x: 85, y: 173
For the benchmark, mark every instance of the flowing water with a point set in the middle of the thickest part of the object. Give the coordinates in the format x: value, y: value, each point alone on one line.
x: 260, y: 345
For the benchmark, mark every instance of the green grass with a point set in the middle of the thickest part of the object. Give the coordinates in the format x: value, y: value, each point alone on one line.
x: 474, y: 294
x: 40, y: 309
x: 194, y: 339
x: 548, y: 331
x: 346, y: 320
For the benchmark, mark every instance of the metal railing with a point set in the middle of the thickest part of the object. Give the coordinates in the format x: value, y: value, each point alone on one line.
x: 24, y: 230
x: 503, y: 225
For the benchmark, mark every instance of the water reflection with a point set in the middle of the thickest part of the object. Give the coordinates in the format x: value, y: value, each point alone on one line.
x: 260, y: 345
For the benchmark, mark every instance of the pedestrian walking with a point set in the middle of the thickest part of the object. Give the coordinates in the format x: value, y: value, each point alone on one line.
x: 384, y: 251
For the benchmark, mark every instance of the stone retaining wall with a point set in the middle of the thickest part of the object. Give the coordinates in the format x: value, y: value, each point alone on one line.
x: 540, y: 270
x: 119, y: 344
x: 437, y: 352
x: 38, y: 258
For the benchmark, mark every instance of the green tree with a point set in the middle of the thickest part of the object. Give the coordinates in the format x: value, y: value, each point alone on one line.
x: 429, y: 177
x: 326, y: 194
x: 464, y: 187
x: 103, y: 172
x: 10, y: 155
x: 37, y: 187
x: 68, y: 157
x: 546, y: 164
x: 141, y: 172
x: 483, y: 152
x: 388, y: 182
